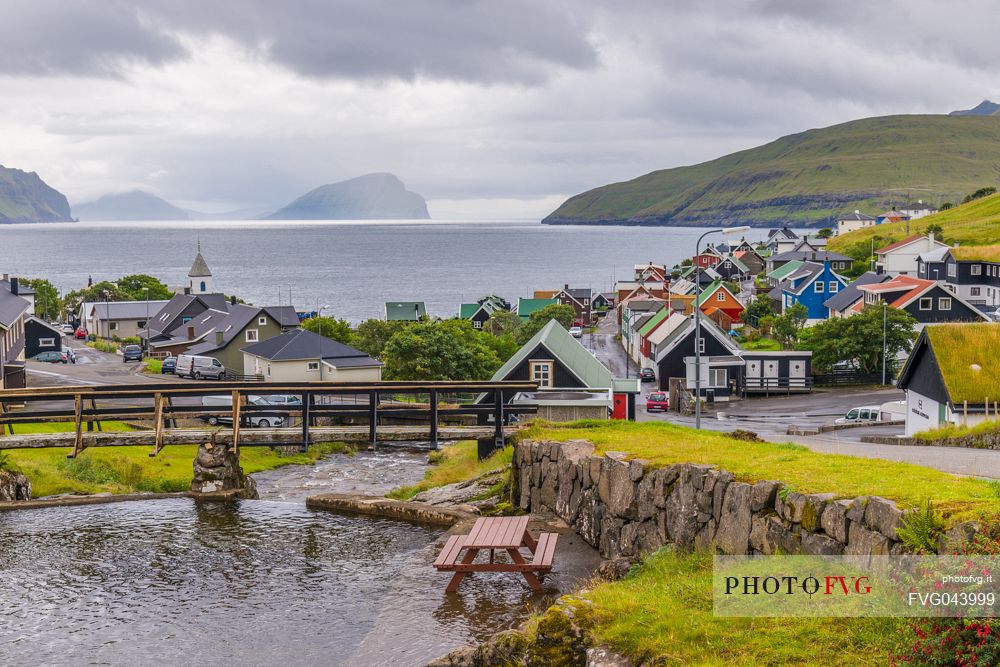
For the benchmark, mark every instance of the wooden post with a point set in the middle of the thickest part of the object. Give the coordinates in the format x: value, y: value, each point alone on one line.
x: 372, y: 418
x: 498, y: 418
x: 78, y: 414
x: 10, y: 427
x: 965, y: 412
x: 93, y: 405
x: 158, y: 417
x: 434, y: 417
x: 173, y: 420
x: 306, y: 420
x: 237, y: 399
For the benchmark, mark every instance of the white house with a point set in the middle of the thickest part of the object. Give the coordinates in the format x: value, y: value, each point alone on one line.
x: 853, y: 222
x: 918, y: 210
x: 901, y: 257
x: 952, y: 376
x: 303, y: 356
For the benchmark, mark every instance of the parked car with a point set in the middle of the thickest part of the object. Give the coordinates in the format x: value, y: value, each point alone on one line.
x: 891, y: 411
x: 281, y: 399
x: 647, y: 375
x: 67, y: 328
x: 576, y: 331
x: 257, y: 420
x: 657, y: 400
x: 132, y: 353
x: 50, y: 357
x: 81, y: 334
x: 168, y: 365
x: 189, y: 365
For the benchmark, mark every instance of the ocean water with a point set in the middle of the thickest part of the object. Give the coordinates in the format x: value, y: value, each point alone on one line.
x: 353, y: 267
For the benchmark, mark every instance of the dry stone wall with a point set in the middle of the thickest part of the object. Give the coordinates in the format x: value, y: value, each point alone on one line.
x: 627, y: 509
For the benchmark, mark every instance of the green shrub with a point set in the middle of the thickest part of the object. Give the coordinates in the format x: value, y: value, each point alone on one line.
x: 921, y: 528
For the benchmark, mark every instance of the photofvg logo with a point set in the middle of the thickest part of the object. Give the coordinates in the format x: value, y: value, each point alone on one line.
x: 831, y: 586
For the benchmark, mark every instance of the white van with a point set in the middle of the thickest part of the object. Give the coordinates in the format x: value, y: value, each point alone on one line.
x: 891, y: 411
x: 189, y: 365
x: 258, y: 420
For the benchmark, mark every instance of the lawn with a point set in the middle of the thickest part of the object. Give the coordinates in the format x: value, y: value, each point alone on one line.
x: 454, y: 463
x: 130, y: 469
x: 762, y: 344
x: 153, y: 367
x: 663, y: 615
x: 957, y: 498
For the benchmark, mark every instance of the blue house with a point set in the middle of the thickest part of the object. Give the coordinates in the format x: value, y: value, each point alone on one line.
x: 811, y: 285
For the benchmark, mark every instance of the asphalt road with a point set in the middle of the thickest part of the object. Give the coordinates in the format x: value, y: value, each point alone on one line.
x: 91, y: 367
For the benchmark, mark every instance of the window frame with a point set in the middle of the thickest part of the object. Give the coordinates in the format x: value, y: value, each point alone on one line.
x: 930, y: 303
x: 944, y: 303
x: 251, y: 335
x: 834, y: 287
x: 818, y: 287
x: 546, y: 378
x: 312, y: 366
x: 262, y: 321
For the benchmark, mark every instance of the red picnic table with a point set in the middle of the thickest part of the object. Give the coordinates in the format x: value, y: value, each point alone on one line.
x: 505, y: 533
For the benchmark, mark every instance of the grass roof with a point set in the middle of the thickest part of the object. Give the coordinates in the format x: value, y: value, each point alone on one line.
x: 967, y: 356
x: 982, y: 253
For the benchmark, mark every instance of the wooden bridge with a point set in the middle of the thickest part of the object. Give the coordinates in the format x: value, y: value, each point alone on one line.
x: 416, y: 411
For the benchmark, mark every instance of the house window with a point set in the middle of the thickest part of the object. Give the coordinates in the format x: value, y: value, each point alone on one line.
x: 185, y: 319
x: 312, y: 366
x: 717, y: 377
x: 113, y: 326
x: 476, y: 324
x: 252, y: 335
x: 721, y: 296
x: 977, y: 269
x: 818, y: 287
x: 974, y: 291
x: 944, y: 303
x: 541, y: 372
x: 203, y: 286
x: 951, y: 270
x: 834, y: 286
x: 261, y: 321
x: 701, y: 346
x: 46, y: 342
x: 926, y: 303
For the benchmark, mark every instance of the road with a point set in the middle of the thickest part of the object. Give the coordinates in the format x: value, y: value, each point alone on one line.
x: 91, y: 367
x: 771, y: 417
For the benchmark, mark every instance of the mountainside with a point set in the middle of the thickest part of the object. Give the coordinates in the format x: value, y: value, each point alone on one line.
x: 976, y: 223
x: 807, y: 179
x: 369, y: 197
x: 134, y: 205
x: 25, y: 197
x: 984, y: 108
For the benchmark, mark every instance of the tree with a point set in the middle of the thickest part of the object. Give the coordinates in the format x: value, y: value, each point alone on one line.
x: 132, y: 287
x: 441, y: 350
x: 979, y: 194
x: 561, y: 313
x: 758, y: 309
x: 371, y: 336
x: 937, y: 230
x: 332, y: 328
x: 48, y: 305
x: 858, y: 339
x: 824, y: 233
x: 945, y: 206
x: 786, y: 327
x: 503, y: 323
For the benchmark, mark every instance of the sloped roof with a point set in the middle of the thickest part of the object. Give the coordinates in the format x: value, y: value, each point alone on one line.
x: 22, y: 289
x: 408, y: 311
x: 467, y: 310
x: 301, y: 344
x: 679, y: 333
x: 712, y: 289
x: 785, y: 269
x: 199, y: 269
x: 935, y: 255
x: 285, y: 316
x: 899, y: 244
x: 850, y: 294
x: 810, y: 256
x: 966, y: 357
x: 232, y: 325
x: 661, y: 332
x: 40, y: 322
x: 568, y: 350
x: 126, y: 310
x: 657, y: 317
x: 857, y: 216
x: 981, y: 253
x: 11, y: 308
x: 525, y: 307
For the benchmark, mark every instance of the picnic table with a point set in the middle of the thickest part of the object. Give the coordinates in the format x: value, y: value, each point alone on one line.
x: 507, y: 533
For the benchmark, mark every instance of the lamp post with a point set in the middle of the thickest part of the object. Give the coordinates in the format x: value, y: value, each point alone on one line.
x: 697, y: 315
x: 884, y: 341
x: 319, y: 330
x: 146, y: 290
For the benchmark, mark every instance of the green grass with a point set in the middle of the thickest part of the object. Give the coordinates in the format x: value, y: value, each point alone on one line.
x: 454, y: 463
x: 103, y: 345
x: 762, y: 345
x: 153, y: 367
x: 974, y: 224
x: 967, y: 356
x: 663, y: 615
x: 957, y: 431
x: 811, y: 177
x: 957, y: 498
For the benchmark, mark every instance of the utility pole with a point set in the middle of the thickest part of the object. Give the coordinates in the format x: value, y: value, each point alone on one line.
x: 884, y: 340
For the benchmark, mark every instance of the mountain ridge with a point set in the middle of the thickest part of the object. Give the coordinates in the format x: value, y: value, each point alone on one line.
x: 376, y: 196
x: 25, y: 197
x: 131, y: 205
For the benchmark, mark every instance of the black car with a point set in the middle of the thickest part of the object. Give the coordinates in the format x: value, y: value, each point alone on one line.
x: 132, y: 353
x: 168, y: 366
x: 647, y: 375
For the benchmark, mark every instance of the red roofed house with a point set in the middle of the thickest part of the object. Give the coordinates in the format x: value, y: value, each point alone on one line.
x: 900, y: 258
x: 927, y: 301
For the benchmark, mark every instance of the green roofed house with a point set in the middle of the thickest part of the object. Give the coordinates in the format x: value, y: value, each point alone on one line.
x: 405, y: 311
x: 783, y: 271
x: 525, y: 307
x: 479, y: 313
x: 572, y: 383
x: 952, y: 376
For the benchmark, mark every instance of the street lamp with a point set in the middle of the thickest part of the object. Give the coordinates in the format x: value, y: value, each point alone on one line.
x: 884, y: 341
x: 697, y: 315
x: 146, y: 290
x: 319, y: 330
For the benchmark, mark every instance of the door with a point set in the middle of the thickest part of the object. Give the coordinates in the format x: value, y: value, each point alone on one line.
x: 796, y: 373
x: 753, y: 373
x: 771, y: 373
x: 620, y: 407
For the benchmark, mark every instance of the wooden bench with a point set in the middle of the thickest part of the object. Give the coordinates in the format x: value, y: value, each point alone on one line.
x: 448, y: 558
x: 545, y: 552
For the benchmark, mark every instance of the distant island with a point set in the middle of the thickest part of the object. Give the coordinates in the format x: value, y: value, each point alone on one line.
x: 368, y: 197
x: 809, y: 178
x: 134, y: 205
x: 25, y: 197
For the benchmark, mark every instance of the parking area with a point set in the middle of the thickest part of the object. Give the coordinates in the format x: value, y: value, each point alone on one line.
x: 91, y: 367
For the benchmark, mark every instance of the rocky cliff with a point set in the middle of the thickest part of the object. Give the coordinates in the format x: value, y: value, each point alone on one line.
x: 25, y: 197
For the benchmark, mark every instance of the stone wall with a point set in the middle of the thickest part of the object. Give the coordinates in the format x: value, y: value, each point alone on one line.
x: 626, y: 509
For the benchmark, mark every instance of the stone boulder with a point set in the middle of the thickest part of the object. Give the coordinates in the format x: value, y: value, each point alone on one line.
x: 733, y: 534
x: 217, y: 469
x: 14, y: 486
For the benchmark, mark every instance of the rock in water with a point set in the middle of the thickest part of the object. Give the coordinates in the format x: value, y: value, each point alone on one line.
x: 369, y: 197
x: 14, y: 486
x: 218, y: 469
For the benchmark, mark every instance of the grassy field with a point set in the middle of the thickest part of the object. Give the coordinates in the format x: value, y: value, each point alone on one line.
x: 663, y: 615
x: 974, y: 224
x: 957, y: 498
x: 153, y: 367
x: 803, y: 178
x: 455, y: 463
x: 131, y: 469
x: 762, y: 345
x: 955, y: 431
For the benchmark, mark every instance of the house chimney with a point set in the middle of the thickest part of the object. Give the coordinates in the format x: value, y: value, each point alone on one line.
x: 190, y: 332
x: 930, y: 236
x: 187, y: 291
x: 857, y: 211
x: 14, y: 286
x: 232, y: 300
x: 566, y: 287
x: 219, y: 337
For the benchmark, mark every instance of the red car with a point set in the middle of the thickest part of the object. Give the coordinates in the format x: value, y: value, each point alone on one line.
x: 81, y: 333
x: 657, y: 400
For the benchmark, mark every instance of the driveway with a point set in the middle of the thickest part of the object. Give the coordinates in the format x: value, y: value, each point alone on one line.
x: 603, y: 345
x: 92, y: 367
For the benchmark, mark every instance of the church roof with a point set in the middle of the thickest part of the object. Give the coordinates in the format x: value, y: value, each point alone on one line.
x: 199, y: 269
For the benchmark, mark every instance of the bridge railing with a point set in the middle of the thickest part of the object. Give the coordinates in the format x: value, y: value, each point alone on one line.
x: 164, y: 403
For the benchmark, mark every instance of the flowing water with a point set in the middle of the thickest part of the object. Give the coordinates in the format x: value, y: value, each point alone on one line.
x: 265, y: 582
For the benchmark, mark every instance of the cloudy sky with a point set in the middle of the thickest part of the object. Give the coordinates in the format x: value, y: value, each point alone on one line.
x: 488, y: 109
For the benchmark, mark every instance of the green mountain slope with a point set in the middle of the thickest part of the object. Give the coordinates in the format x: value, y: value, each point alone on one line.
x: 808, y: 178
x: 974, y: 224
x: 369, y: 197
x: 134, y: 205
x: 25, y: 197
